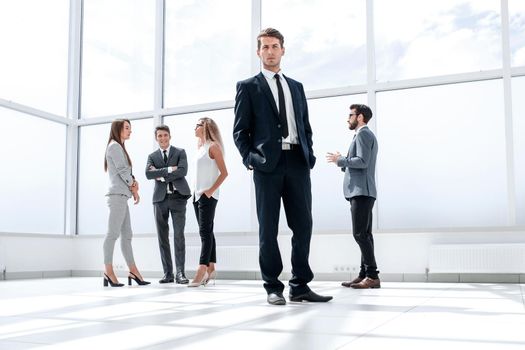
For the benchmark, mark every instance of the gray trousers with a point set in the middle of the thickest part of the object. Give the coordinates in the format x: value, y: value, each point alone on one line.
x: 162, y: 210
x: 119, y: 224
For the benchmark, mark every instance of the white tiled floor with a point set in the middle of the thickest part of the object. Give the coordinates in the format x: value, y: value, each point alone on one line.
x: 78, y: 313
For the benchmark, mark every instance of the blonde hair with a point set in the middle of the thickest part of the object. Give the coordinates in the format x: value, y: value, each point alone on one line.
x: 211, y: 132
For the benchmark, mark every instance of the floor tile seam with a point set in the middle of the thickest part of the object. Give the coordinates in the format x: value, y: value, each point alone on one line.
x: 42, y: 314
x: 191, y: 338
x: 387, y: 321
x: 297, y: 332
x: 123, y: 322
x: 23, y: 342
x: 434, y: 338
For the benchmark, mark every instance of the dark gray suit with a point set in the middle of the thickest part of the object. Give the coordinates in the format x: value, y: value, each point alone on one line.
x: 359, y: 188
x: 360, y: 165
x: 164, y: 204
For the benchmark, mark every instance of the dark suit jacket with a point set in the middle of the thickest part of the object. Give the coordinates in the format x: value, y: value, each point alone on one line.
x: 177, y: 156
x: 256, y: 130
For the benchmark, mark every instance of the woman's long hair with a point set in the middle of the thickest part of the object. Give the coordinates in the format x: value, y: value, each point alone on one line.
x: 114, y: 135
x: 211, y: 132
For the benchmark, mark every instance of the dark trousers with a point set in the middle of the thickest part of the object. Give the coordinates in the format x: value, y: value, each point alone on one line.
x: 176, y: 205
x: 205, y: 214
x: 361, y: 208
x: 289, y: 181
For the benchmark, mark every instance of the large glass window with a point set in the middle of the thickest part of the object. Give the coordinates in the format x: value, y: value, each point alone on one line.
x: 33, y: 63
x: 442, y: 157
x: 208, y: 49
x: 517, y: 31
x: 118, y: 56
x: 93, y: 181
x: 32, y: 180
x: 233, y: 213
x: 427, y: 38
x: 518, y: 112
x: 328, y: 118
x: 442, y: 149
x: 325, y: 42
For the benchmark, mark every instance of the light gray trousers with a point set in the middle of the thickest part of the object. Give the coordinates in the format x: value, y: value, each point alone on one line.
x: 119, y: 224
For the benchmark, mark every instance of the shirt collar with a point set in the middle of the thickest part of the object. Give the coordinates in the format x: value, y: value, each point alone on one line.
x: 268, y: 74
x: 167, y: 150
x: 361, y: 127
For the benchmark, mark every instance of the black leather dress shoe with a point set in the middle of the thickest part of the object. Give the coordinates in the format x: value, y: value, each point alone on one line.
x: 167, y: 279
x: 310, y: 296
x: 276, y: 299
x: 180, y: 278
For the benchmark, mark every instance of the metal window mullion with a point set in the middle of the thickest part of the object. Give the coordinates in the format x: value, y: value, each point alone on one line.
x: 33, y: 111
x: 73, y: 114
x: 507, y: 98
x: 371, y: 83
x: 256, y: 28
x: 160, y: 29
x: 517, y: 71
x: 255, y: 67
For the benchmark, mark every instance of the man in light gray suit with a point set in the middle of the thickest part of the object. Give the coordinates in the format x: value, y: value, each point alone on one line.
x: 359, y: 188
x: 168, y: 166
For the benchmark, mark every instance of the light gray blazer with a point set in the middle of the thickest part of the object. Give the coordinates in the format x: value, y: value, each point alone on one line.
x: 359, y: 165
x: 119, y: 170
x: 177, y: 157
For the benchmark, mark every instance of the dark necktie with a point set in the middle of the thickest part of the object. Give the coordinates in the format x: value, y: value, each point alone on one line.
x: 170, y: 185
x: 282, y: 107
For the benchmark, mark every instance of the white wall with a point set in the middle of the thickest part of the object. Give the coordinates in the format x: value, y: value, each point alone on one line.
x: 35, y: 255
x: 396, y: 253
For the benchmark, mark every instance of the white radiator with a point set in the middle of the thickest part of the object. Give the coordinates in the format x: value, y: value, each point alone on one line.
x: 230, y: 258
x: 477, y: 258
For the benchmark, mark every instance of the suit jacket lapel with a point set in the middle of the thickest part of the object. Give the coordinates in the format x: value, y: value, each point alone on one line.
x: 160, y: 156
x: 266, y: 89
x: 295, y: 97
x: 172, y: 154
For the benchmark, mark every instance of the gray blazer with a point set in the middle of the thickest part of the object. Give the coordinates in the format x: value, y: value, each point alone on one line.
x: 177, y: 156
x: 359, y: 165
x: 119, y: 170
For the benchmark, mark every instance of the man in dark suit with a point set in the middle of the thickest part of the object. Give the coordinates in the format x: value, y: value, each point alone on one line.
x: 359, y: 188
x: 168, y: 166
x: 274, y: 137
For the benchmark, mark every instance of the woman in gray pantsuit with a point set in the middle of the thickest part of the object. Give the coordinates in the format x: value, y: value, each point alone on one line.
x: 122, y: 187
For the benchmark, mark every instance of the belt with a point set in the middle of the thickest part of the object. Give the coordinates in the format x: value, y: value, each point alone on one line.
x: 290, y: 146
x: 177, y: 195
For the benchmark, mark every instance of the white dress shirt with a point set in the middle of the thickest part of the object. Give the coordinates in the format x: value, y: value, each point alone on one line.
x: 170, y: 170
x: 288, y: 102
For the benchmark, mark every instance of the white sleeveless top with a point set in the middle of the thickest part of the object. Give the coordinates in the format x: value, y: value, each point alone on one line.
x: 206, y: 172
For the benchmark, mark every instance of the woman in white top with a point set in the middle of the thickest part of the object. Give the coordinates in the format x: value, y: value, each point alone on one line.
x: 123, y: 186
x: 210, y: 173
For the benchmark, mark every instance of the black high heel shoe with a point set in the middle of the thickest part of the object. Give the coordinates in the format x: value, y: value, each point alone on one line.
x: 108, y: 280
x: 136, y: 279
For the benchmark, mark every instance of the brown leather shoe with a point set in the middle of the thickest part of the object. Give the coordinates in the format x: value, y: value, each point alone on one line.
x: 367, y: 283
x: 354, y: 281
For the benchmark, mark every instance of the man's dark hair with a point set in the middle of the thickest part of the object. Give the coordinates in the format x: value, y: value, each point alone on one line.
x: 272, y: 33
x: 364, y: 110
x: 163, y: 128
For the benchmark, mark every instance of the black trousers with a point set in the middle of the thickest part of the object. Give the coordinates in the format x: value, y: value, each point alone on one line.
x: 176, y: 205
x: 361, y: 209
x: 289, y: 181
x: 205, y: 214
